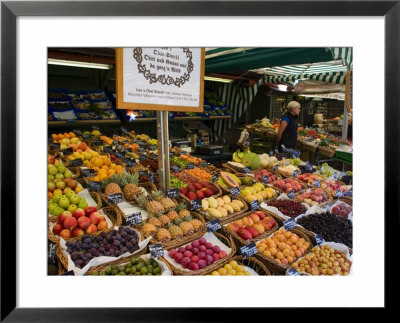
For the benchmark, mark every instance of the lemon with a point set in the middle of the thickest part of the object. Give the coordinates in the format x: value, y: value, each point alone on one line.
x: 215, y: 273
x: 239, y: 268
x: 228, y: 266
x: 232, y: 272
x: 222, y: 271
x: 233, y: 263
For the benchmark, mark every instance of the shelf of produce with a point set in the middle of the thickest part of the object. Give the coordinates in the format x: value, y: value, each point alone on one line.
x: 81, y: 122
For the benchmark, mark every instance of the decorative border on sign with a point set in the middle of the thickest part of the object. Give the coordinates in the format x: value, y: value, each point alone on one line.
x: 152, y: 77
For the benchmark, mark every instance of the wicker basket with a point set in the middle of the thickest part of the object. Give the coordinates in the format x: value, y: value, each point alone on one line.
x: 326, y: 151
x: 63, y: 259
x: 240, y: 242
x: 280, y: 269
x: 329, y: 195
x: 279, y: 176
x: 230, y: 217
x: 231, y: 169
x: 113, y: 214
x: 214, y: 195
x: 308, y: 146
x: 250, y: 262
x: 185, y: 239
x: 346, y: 199
x: 122, y: 261
x: 227, y: 241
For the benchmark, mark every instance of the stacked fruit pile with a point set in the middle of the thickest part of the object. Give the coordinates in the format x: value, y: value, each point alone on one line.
x: 104, y: 166
x: 283, y: 246
x: 197, y: 255
x: 257, y: 192
x: 310, y: 178
x: 126, y: 184
x: 81, y: 221
x: 253, y: 225
x: 221, y: 207
x: 324, y: 260
x: 135, y: 266
x: 261, y: 174
x: 195, y: 189
x: 66, y: 140
x: 191, y: 159
x: 66, y: 202
x: 60, y: 181
x: 316, y: 196
x: 167, y: 221
x: 342, y: 209
x: 200, y: 174
x: 177, y: 183
x: 231, y: 269
x: 332, y: 186
x: 289, y: 208
x: 288, y: 184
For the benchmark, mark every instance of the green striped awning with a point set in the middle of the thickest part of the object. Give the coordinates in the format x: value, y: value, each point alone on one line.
x: 331, y: 77
x: 345, y: 54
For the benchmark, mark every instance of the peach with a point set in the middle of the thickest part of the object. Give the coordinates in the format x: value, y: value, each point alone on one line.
x: 102, y: 225
x: 83, y: 222
x: 91, y: 229
x: 70, y: 223
x: 65, y: 233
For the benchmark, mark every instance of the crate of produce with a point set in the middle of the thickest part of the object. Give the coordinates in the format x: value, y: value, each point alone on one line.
x: 252, y: 226
x: 282, y: 248
x: 225, y: 208
x: 314, y: 196
x: 307, y: 145
x: 249, y: 266
x: 120, y: 242
x: 90, y: 221
x: 132, y: 266
x: 213, y: 249
x: 328, y: 258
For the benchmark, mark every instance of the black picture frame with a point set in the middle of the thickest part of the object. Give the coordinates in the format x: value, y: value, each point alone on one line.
x: 10, y: 10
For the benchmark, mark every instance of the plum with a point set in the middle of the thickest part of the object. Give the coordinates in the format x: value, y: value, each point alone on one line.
x: 216, y: 249
x: 216, y: 257
x: 209, y: 245
x: 172, y: 253
x: 201, y: 263
x: 193, y: 266
x: 343, y: 214
x: 209, y: 260
x: 181, y: 250
x: 195, y: 244
x: 201, y: 255
x: 335, y: 210
x: 209, y: 252
x: 202, y: 248
x: 185, y: 262
x: 188, y: 253
x: 178, y: 257
x: 195, y: 251
x: 189, y: 247
x: 194, y: 259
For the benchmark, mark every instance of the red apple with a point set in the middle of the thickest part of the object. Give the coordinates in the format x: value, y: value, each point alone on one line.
x: 91, y: 229
x: 70, y: 223
x: 78, y: 213
x: 57, y: 229
x: 95, y: 217
x: 65, y: 233
x: 77, y: 232
x: 83, y: 222
x: 89, y: 210
x: 63, y: 216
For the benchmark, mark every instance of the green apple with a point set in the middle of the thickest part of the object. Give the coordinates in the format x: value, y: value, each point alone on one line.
x: 63, y: 202
x: 57, y: 197
x: 59, y: 176
x: 72, y: 208
x: 61, y: 169
x: 50, y: 178
x: 60, y: 185
x: 74, y: 140
x: 67, y: 174
x: 52, y: 207
x: 58, y: 210
x: 70, y: 194
x: 58, y: 162
x: 75, y: 199
x: 83, y: 204
x: 52, y: 170
x: 51, y: 186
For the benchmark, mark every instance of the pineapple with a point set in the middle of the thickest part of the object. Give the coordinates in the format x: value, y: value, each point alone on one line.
x: 149, y: 229
x: 197, y: 225
x: 112, y: 188
x: 172, y: 215
x: 164, y: 220
x: 157, y: 195
x: 130, y: 190
x: 154, y: 207
x: 188, y: 218
x: 163, y: 235
x: 176, y: 232
x: 181, y: 208
x: 187, y: 228
x: 178, y: 221
x: 167, y: 203
x: 154, y: 221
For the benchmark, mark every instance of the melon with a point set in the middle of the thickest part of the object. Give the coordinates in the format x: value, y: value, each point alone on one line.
x: 252, y: 160
x: 229, y: 180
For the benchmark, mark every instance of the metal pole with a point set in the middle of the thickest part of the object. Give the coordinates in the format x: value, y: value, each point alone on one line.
x: 163, y: 150
x: 345, y: 111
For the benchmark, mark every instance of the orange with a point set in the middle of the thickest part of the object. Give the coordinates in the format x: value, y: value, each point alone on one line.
x: 104, y: 167
x: 112, y: 166
x: 96, y: 179
x: 103, y: 176
x: 120, y: 172
x: 102, y: 171
x: 111, y: 172
x: 279, y: 255
x: 54, y: 136
x: 60, y: 136
x: 96, y: 168
x: 71, y: 134
x: 118, y: 167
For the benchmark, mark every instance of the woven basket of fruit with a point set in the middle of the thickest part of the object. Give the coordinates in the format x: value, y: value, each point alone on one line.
x: 100, y: 224
x: 177, y: 232
x: 184, y: 262
x: 253, y: 226
x: 346, y: 199
x: 114, y: 268
x: 224, y: 208
x: 250, y: 262
x: 309, y: 146
x: 135, y: 250
x: 282, y: 248
x: 313, y: 196
x: 287, y: 184
x: 327, y: 151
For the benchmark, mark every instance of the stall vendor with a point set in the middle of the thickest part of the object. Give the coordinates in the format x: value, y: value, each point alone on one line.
x: 287, y: 134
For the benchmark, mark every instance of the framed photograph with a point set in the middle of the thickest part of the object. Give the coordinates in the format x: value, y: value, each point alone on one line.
x: 29, y: 28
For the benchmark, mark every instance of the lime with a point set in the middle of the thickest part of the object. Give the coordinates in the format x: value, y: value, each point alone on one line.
x: 128, y: 265
x: 122, y: 273
x: 121, y: 268
x: 133, y: 269
x: 134, y: 261
x: 143, y: 270
x: 103, y: 273
x: 139, y: 266
x: 114, y: 272
x: 156, y: 270
x: 114, y: 267
x: 95, y: 273
x: 137, y: 273
x: 108, y: 270
x: 149, y: 268
x: 149, y: 274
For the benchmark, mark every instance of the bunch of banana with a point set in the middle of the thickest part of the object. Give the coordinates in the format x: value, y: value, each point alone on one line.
x: 220, y: 207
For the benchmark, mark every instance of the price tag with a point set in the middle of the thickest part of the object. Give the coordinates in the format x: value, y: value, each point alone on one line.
x: 291, y: 194
x: 235, y: 191
x: 142, y: 157
x: 249, y: 250
x: 317, y: 183
x: 295, y: 173
x: 214, y: 178
x: 152, y: 177
x: 76, y: 162
x: 195, y: 204
x: 141, y: 150
x: 87, y: 172
x: 343, y: 174
x: 335, y: 176
x: 86, y: 136
x: 130, y: 162
x: 189, y: 166
x: 318, y: 239
x: 94, y: 186
x: 54, y: 146
x: 203, y: 164
x: 171, y: 154
x: 123, y: 153
x: 107, y: 149
x: 115, y: 198
x: 348, y: 193
x: 309, y: 168
x: 213, y: 225
x: 143, y: 173
x: 77, y: 132
x: 173, y: 193
x: 327, y: 207
x: 119, y: 155
x: 153, y: 147
x: 52, y: 252
x: 292, y: 272
x: 289, y: 224
x: 156, y: 250
x: 98, y: 142
x: 67, y: 151
x: 68, y: 273
x: 275, y: 168
x: 134, y: 218
x: 265, y: 179
x: 176, y: 168
x: 247, y: 170
x: 254, y: 205
x: 339, y: 193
